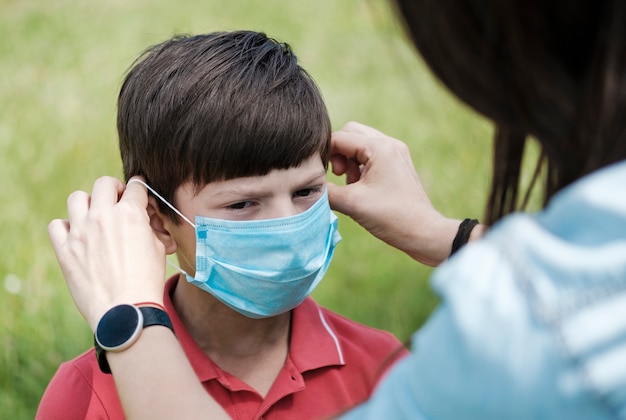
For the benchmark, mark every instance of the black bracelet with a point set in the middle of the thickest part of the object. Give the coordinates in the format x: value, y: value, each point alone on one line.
x: 462, y: 236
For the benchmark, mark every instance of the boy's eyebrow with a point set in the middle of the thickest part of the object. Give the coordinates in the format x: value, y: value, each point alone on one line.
x: 314, y: 177
x: 245, y: 190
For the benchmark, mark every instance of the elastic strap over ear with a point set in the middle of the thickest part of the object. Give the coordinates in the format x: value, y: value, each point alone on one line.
x: 157, y: 195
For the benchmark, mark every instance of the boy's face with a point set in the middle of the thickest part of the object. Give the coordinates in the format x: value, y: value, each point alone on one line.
x: 281, y: 193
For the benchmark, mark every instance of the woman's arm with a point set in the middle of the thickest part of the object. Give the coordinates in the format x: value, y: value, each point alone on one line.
x: 156, y: 381
x: 109, y: 255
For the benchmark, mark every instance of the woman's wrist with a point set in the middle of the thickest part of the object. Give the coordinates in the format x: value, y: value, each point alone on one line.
x: 478, y: 231
x: 463, y: 234
x: 122, y: 325
x: 99, y: 308
x: 152, y: 304
x: 433, y: 244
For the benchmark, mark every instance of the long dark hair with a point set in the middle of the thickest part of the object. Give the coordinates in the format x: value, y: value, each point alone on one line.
x: 551, y: 69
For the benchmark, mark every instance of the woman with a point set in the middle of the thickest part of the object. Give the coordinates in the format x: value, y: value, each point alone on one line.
x: 533, y: 316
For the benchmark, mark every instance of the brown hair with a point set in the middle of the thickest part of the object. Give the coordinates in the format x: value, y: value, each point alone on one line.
x: 215, y: 107
x: 554, y: 70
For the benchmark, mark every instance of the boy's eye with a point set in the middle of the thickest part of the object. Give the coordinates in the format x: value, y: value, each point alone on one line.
x: 240, y: 206
x: 306, y: 192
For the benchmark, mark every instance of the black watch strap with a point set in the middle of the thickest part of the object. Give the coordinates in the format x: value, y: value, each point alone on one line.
x: 151, y: 316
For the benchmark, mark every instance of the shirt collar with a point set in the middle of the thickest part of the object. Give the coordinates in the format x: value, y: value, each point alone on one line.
x: 313, y: 343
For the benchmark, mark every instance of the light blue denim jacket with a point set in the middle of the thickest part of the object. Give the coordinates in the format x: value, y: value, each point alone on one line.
x: 532, y: 322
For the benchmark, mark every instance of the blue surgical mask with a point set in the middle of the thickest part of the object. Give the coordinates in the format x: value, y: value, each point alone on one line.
x: 262, y: 268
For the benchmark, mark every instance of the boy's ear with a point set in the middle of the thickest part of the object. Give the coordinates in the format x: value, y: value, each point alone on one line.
x: 157, y: 222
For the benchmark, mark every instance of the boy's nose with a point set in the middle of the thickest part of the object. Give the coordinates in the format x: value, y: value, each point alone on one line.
x: 283, y: 208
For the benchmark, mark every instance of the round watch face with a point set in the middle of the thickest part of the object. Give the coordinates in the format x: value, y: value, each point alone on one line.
x: 119, y: 327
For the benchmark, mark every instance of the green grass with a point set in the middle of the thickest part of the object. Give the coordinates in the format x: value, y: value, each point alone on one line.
x: 61, y: 64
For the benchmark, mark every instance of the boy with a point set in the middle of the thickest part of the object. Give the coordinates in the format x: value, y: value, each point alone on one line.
x: 232, y: 138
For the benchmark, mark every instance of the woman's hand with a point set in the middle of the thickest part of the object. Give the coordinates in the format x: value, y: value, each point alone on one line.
x: 107, y: 250
x: 385, y: 196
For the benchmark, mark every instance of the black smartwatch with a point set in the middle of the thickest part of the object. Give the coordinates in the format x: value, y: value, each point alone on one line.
x: 121, y: 326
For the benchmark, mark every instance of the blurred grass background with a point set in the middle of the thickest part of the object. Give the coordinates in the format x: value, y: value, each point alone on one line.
x: 61, y: 64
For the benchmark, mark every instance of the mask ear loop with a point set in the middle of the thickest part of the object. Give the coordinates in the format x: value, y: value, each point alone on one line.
x: 174, y: 209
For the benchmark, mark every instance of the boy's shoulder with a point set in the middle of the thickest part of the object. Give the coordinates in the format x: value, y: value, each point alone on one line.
x: 79, y: 390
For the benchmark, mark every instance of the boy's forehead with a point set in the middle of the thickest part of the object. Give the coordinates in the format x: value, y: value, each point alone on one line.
x: 309, y: 171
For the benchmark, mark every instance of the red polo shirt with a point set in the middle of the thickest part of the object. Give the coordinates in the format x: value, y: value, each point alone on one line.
x: 333, y: 364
